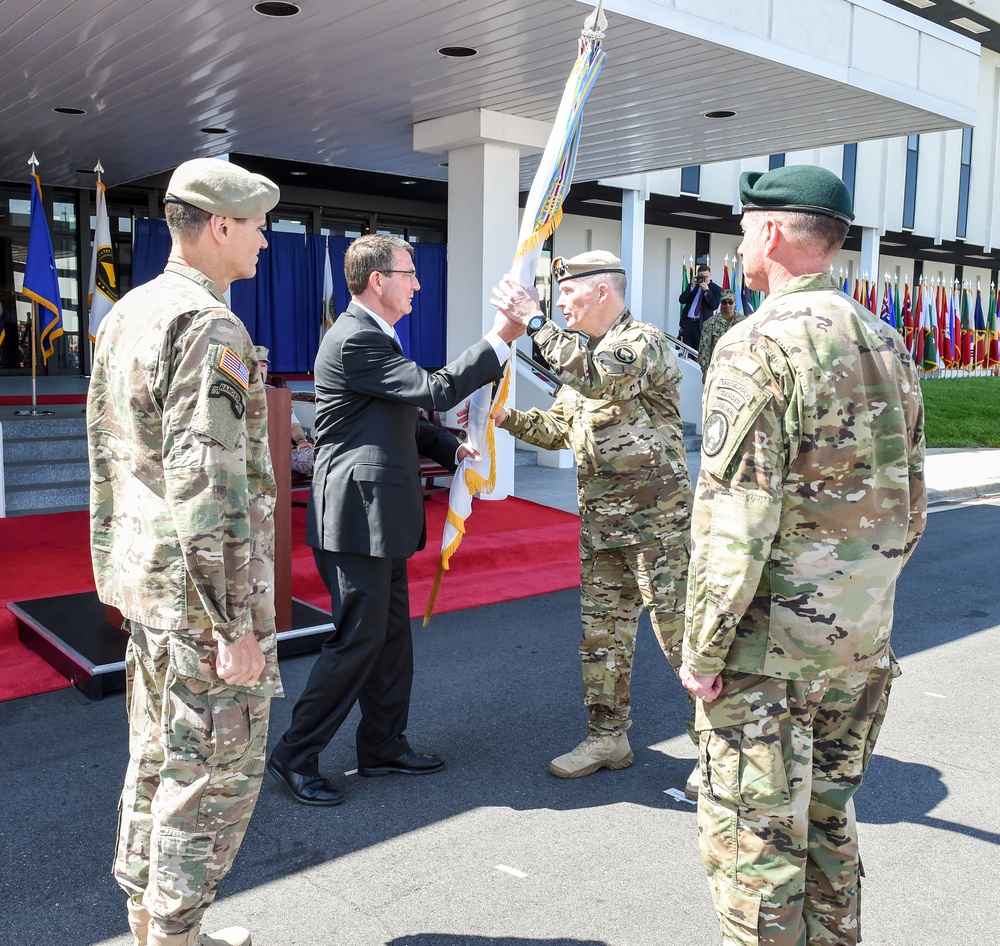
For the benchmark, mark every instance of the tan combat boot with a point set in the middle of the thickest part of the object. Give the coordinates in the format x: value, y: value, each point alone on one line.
x: 595, y: 752
x: 230, y: 936
x: 138, y: 921
x: 693, y: 784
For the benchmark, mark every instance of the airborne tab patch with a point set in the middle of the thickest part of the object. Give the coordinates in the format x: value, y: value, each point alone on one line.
x: 230, y: 363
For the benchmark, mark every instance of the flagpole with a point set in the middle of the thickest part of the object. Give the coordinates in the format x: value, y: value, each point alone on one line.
x: 34, y: 362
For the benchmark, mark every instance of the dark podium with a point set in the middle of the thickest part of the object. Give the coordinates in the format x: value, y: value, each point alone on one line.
x: 83, y: 639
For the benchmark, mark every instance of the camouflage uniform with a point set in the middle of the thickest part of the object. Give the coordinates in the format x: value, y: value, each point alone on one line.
x: 618, y: 411
x: 713, y: 329
x: 810, y: 499
x: 182, y: 534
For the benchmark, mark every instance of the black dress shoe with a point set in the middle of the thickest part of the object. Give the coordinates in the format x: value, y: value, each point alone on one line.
x: 306, y: 789
x: 409, y: 763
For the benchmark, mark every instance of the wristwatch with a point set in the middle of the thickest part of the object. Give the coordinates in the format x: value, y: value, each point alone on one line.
x: 535, y: 323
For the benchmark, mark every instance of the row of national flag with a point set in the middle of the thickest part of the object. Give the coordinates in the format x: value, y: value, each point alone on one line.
x: 944, y: 327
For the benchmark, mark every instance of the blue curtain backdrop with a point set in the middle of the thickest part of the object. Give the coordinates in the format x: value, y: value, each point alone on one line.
x: 282, y: 305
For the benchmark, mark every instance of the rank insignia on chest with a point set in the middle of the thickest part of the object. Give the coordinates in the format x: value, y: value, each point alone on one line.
x: 231, y: 364
x: 625, y: 354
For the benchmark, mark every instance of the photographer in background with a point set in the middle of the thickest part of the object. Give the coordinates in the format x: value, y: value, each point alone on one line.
x: 698, y: 303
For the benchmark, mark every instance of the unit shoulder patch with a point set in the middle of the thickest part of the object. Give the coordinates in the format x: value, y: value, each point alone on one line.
x: 734, y: 401
x: 625, y: 354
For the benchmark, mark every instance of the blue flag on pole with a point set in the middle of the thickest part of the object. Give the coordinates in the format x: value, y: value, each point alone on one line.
x: 41, y: 281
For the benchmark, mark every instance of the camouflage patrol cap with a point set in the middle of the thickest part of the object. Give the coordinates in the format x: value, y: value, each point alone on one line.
x: 586, y: 264
x: 221, y: 188
x: 728, y: 295
x: 804, y: 188
x: 260, y: 353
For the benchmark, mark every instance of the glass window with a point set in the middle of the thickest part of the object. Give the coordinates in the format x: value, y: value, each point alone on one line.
x: 910, y: 182
x: 964, y: 178
x: 850, y: 170
x: 775, y: 161
x: 691, y: 179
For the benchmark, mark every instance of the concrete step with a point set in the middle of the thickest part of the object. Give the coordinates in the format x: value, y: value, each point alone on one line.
x: 46, y: 497
x: 525, y: 457
x: 71, y: 471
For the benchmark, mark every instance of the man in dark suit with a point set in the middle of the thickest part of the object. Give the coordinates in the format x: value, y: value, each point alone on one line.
x: 698, y: 304
x: 366, y: 515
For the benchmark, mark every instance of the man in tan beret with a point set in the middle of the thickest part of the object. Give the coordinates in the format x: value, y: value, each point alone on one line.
x: 182, y: 536
x: 618, y: 411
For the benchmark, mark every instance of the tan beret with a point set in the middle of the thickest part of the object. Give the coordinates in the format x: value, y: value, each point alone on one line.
x: 221, y: 188
x: 586, y: 264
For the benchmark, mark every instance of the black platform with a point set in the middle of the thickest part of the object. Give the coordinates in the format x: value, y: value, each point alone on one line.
x: 72, y: 634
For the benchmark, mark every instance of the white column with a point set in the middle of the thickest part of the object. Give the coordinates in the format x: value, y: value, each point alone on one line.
x: 484, y: 150
x: 869, y: 253
x: 634, y: 241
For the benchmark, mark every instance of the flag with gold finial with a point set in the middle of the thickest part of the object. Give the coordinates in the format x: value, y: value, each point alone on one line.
x: 41, y: 278
x: 103, y: 291
x: 542, y: 214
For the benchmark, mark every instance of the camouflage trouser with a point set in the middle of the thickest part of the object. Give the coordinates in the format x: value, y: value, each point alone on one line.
x: 196, y: 758
x: 615, y: 585
x: 780, y: 763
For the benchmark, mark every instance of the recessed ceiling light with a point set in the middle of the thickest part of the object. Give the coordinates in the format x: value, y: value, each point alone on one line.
x: 972, y: 26
x: 443, y: 164
x: 690, y: 213
x: 720, y: 113
x: 69, y: 110
x: 601, y: 201
x: 276, y: 8
x: 296, y: 173
x: 457, y: 52
x: 920, y: 4
x: 212, y: 130
x: 407, y: 182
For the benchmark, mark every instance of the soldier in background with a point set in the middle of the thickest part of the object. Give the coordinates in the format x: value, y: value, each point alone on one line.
x: 809, y: 501
x: 182, y: 536
x: 716, y: 327
x: 618, y: 410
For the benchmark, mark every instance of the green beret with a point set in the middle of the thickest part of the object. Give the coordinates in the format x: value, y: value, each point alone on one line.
x: 586, y: 264
x: 804, y: 188
x: 221, y: 188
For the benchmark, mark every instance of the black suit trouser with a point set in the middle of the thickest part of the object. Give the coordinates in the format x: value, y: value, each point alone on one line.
x: 367, y: 659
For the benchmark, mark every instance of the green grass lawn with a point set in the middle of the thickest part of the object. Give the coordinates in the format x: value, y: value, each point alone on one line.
x: 962, y: 412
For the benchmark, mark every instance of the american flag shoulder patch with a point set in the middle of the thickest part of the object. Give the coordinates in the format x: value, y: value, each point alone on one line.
x: 231, y: 364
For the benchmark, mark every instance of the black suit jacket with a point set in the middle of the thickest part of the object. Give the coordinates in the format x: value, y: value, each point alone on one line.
x: 710, y: 302
x: 366, y: 493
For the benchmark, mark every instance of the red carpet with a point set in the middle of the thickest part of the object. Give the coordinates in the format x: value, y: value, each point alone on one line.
x: 513, y: 549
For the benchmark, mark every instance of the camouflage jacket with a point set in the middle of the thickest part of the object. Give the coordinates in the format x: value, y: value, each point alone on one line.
x: 618, y: 410
x: 811, y: 492
x: 182, y: 491
x: 713, y: 329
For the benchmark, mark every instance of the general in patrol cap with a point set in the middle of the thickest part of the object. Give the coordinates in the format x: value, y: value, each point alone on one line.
x: 221, y: 188
x: 804, y: 188
x: 586, y: 264
x: 260, y: 353
x: 728, y: 295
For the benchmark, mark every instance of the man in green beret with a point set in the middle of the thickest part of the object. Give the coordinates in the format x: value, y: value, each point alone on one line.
x: 618, y: 410
x: 716, y: 327
x: 809, y: 501
x: 182, y: 540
